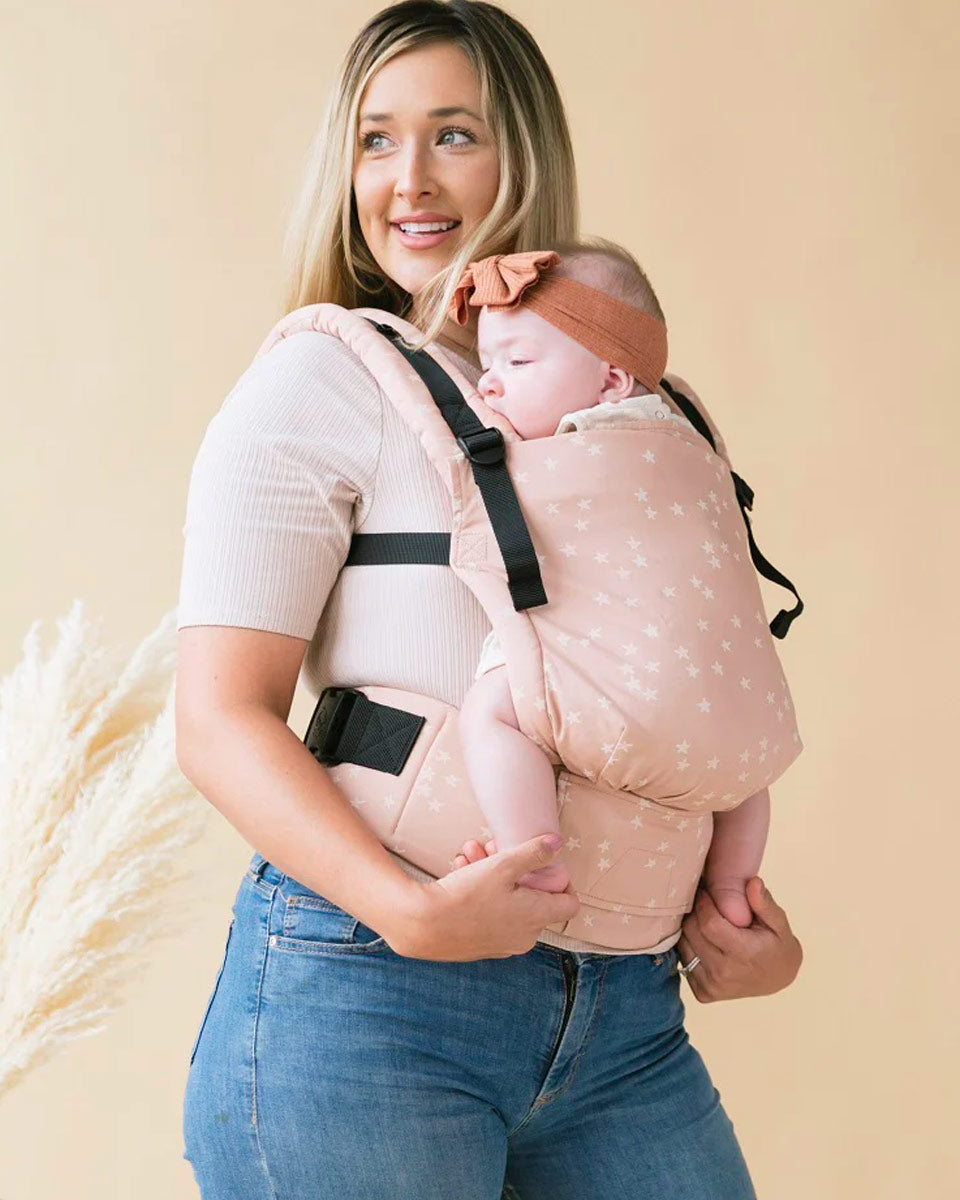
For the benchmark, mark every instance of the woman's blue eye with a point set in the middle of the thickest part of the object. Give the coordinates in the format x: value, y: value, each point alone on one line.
x: 368, y: 138
x: 456, y: 129
x: 518, y: 362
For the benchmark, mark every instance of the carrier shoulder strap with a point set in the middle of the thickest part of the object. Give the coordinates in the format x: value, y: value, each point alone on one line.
x: 784, y: 619
x: 436, y: 409
x: 485, y: 448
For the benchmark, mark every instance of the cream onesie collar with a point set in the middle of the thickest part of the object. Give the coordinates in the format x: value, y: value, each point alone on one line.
x: 613, y: 413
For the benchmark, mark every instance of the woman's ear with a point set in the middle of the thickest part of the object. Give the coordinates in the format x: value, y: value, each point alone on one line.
x: 617, y: 383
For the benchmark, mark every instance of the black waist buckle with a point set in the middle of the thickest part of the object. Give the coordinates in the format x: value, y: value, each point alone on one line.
x: 329, y: 719
x: 346, y: 726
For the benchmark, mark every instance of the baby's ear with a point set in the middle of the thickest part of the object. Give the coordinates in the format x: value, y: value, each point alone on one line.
x: 617, y: 384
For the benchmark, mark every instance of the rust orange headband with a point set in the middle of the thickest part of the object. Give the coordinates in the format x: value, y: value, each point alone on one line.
x: 626, y: 337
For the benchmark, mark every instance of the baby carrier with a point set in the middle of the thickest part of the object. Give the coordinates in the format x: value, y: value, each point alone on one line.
x: 616, y: 568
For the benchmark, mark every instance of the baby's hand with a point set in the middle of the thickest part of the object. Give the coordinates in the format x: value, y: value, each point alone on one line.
x: 729, y: 895
x: 472, y: 851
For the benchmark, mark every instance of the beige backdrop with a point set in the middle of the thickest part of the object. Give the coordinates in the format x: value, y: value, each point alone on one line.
x: 788, y: 175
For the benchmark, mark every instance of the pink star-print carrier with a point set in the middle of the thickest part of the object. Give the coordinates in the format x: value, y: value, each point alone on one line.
x: 638, y: 652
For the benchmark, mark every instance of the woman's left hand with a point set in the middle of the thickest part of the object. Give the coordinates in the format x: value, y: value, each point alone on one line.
x: 757, y: 960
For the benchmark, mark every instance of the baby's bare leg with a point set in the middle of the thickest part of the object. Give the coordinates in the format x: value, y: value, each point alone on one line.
x: 735, y: 854
x: 511, y: 777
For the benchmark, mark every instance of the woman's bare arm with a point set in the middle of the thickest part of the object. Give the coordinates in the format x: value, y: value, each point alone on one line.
x: 233, y: 695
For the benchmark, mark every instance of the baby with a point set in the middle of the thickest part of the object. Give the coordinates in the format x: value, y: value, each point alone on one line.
x: 546, y: 382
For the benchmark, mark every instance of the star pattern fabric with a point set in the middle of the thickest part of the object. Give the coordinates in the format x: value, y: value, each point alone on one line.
x: 650, y: 678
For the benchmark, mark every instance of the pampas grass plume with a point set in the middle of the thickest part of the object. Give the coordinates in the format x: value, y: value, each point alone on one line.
x: 94, y: 818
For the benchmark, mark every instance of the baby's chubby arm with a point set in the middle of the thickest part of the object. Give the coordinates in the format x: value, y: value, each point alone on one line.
x: 735, y: 854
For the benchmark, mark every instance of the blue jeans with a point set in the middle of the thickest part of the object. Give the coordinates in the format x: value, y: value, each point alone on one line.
x: 329, y: 1067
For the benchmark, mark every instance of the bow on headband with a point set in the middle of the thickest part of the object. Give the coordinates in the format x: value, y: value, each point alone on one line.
x: 498, y: 280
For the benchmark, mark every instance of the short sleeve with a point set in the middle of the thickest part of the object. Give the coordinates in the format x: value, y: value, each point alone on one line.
x: 281, y: 471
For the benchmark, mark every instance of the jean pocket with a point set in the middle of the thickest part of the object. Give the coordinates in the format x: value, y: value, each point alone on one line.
x: 213, y: 994
x: 312, y: 924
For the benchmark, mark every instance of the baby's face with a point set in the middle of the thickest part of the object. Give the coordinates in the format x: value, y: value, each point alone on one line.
x: 532, y: 373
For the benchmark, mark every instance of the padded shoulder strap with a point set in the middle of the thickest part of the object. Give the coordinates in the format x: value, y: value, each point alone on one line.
x: 400, y: 382
x: 452, y: 422
x: 781, y: 623
x: 672, y: 384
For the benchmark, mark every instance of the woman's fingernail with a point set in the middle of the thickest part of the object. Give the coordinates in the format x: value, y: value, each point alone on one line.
x: 554, y: 841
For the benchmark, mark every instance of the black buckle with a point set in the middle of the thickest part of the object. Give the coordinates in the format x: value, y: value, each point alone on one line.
x: 328, y: 721
x: 484, y: 446
x: 382, y: 327
x: 744, y: 491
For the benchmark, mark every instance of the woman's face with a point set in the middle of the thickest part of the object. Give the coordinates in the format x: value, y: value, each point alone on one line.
x: 423, y: 154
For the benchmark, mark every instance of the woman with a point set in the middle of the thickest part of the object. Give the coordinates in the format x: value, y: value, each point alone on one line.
x: 374, y: 1031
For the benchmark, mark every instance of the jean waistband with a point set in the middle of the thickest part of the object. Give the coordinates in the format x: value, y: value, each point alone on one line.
x: 260, y: 868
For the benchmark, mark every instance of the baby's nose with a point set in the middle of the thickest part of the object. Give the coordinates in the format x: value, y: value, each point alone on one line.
x: 488, y: 385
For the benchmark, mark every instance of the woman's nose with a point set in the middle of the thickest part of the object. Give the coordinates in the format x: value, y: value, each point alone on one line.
x: 412, y: 178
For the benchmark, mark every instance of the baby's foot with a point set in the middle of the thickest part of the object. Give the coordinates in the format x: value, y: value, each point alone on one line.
x: 553, y: 878
x: 732, y: 903
x: 472, y: 852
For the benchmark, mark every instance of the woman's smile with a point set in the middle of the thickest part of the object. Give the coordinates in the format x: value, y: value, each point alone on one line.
x: 421, y: 234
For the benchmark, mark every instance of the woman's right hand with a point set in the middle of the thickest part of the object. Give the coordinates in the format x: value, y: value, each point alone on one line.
x: 479, y: 910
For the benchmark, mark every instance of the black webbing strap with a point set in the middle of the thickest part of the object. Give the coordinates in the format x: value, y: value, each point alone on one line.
x: 783, y: 620
x: 379, y: 549
x: 487, y: 454
x: 348, y: 727
x: 691, y: 412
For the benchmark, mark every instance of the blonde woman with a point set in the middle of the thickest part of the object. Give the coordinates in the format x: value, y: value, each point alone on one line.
x: 374, y: 1032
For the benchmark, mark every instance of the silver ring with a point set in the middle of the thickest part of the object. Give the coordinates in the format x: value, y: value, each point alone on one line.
x: 685, y: 970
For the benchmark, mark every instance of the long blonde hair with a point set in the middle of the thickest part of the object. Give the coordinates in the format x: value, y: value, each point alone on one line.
x: 536, y: 204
